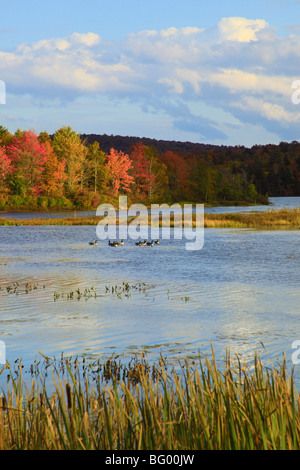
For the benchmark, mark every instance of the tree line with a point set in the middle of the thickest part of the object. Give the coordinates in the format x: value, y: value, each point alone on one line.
x: 68, y: 170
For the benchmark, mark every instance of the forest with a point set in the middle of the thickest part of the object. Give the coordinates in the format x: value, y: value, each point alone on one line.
x: 67, y: 170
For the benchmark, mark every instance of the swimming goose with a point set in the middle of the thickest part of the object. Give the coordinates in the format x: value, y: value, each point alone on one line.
x: 150, y: 243
x: 157, y: 242
x: 93, y: 243
x: 112, y: 243
x: 120, y: 243
x: 140, y: 243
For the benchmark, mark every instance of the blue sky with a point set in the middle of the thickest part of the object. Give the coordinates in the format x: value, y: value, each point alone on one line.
x: 200, y: 71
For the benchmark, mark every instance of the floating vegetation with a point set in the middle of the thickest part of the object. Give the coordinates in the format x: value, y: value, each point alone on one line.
x: 77, y: 294
x: 16, y: 288
x: 121, y: 290
x: 118, y: 290
x: 125, y: 289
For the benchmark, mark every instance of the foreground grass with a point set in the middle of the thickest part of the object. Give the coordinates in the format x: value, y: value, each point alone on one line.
x: 283, y: 218
x: 143, y: 407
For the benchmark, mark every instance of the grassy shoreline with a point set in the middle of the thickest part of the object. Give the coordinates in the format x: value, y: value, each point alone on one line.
x: 151, y: 407
x: 282, y: 218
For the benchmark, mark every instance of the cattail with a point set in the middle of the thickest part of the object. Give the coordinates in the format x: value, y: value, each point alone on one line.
x: 3, y: 403
x: 69, y: 395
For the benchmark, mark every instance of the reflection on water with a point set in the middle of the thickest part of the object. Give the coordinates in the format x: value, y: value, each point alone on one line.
x: 240, y: 290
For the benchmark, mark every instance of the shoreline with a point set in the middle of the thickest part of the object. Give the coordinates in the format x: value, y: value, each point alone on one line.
x: 39, y: 210
x: 281, y: 218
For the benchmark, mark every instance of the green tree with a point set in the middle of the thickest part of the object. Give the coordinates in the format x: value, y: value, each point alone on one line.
x: 205, y: 176
x: 158, y: 181
x: 5, y: 136
x: 96, y: 169
x: 44, y: 137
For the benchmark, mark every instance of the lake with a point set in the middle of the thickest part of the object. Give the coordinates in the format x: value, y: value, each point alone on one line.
x: 241, y: 290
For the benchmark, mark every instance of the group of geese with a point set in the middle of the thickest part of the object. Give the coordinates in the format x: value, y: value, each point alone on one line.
x: 140, y: 243
x: 148, y: 243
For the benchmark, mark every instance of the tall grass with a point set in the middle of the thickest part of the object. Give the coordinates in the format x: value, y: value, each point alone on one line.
x: 282, y: 218
x: 143, y: 407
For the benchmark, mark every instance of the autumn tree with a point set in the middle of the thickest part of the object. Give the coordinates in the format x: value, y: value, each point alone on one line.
x: 96, y: 170
x: 28, y: 157
x: 178, y: 173
x: 54, y: 175
x: 6, y: 169
x: 68, y: 147
x: 44, y: 137
x: 141, y: 171
x: 118, y: 166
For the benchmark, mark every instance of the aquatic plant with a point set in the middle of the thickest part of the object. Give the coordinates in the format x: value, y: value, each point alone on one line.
x: 77, y: 294
x: 17, y: 288
x: 139, y: 406
x: 125, y: 288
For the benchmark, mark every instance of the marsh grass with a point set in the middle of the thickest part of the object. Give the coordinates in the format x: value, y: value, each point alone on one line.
x: 283, y: 218
x: 139, y: 406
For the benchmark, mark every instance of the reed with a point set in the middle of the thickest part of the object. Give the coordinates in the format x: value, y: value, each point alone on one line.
x: 143, y: 407
x: 282, y: 218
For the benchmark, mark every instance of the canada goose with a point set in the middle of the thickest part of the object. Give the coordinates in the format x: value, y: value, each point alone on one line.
x: 120, y: 243
x: 93, y: 243
x: 157, y: 242
x: 112, y: 243
x: 150, y: 243
x: 140, y: 243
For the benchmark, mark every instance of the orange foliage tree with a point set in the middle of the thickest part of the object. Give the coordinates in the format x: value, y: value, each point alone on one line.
x: 118, y: 166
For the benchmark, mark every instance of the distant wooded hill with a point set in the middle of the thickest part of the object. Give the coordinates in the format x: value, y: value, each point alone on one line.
x: 125, y: 143
x: 274, y: 169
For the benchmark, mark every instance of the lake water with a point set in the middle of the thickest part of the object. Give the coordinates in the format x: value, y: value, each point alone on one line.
x: 241, y: 290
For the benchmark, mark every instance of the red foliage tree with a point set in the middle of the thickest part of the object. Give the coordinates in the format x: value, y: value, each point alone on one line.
x: 178, y: 172
x: 141, y: 172
x: 5, y: 168
x: 28, y: 155
x: 118, y: 166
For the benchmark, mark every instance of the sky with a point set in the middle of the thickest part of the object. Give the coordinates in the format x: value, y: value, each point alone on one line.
x: 215, y: 72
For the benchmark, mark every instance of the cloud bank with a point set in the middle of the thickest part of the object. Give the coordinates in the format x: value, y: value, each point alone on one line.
x: 239, y: 66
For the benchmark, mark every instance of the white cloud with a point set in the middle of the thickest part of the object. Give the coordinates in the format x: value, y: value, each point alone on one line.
x: 241, y: 29
x: 239, y: 66
x: 271, y: 111
x: 89, y: 39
